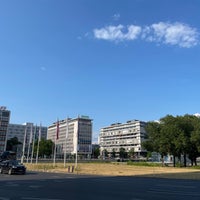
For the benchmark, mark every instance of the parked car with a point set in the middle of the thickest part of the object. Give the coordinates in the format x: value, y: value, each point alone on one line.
x: 8, y: 155
x: 12, y: 167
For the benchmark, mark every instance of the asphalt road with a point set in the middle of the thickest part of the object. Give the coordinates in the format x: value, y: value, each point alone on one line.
x: 54, y: 186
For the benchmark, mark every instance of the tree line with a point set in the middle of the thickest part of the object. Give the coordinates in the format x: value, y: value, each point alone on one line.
x: 177, y: 136
x: 45, y: 147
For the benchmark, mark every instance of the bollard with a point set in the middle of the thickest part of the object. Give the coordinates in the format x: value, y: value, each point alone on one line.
x: 68, y: 169
x: 72, y: 169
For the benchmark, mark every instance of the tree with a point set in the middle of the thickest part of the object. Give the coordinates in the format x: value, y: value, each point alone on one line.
x: 176, y: 136
x: 104, y: 153
x: 12, y: 144
x: 122, y: 153
x: 194, y: 150
x: 185, y: 124
x: 170, y: 134
x: 155, y: 141
x: 45, y: 147
x: 96, y: 152
x: 131, y: 153
x: 113, y: 154
x: 149, y: 154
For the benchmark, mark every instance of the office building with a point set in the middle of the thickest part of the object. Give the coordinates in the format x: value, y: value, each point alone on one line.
x: 127, y: 135
x: 28, y: 130
x: 26, y: 133
x: 4, y: 121
x: 72, y: 136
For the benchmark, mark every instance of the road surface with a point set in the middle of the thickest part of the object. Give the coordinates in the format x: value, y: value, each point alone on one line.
x: 55, y: 186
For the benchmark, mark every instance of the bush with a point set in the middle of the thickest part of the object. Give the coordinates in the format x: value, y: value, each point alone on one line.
x: 148, y: 164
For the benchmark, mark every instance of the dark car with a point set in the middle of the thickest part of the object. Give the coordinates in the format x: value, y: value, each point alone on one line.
x: 8, y: 155
x: 12, y: 167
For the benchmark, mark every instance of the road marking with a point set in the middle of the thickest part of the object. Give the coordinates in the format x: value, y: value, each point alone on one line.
x: 34, y: 186
x: 4, y: 198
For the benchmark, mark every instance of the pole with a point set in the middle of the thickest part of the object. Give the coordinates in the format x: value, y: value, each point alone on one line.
x: 76, y: 160
x: 29, y: 143
x: 56, y: 138
x: 33, y: 144
x: 65, y: 152
x: 38, y: 146
x: 54, y: 157
x: 24, y: 144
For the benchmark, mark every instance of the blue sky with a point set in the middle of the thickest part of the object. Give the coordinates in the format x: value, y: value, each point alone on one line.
x: 113, y: 60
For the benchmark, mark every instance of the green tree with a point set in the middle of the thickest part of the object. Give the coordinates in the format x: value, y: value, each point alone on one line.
x: 194, y: 150
x: 122, y: 153
x: 113, y: 154
x: 176, y: 136
x: 185, y: 123
x: 45, y: 147
x: 170, y: 133
x: 149, y: 154
x: 131, y: 153
x: 12, y: 144
x: 96, y: 152
x: 155, y: 141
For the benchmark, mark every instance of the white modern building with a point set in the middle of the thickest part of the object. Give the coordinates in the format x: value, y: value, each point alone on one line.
x: 127, y: 135
x: 4, y: 121
x: 72, y: 136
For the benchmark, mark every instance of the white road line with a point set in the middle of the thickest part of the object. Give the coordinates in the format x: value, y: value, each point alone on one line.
x: 4, y: 198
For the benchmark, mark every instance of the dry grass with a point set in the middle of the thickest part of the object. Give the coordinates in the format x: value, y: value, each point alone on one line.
x: 120, y: 169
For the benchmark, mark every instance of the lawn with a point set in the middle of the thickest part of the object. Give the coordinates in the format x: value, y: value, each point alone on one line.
x: 118, y: 169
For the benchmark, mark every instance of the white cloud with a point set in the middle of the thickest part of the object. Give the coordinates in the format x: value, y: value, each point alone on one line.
x: 177, y: 33
x: 197, y: 115
x: 173, y: 34
x: 115, y: 33
x: 116, y: 17
x: 133, y: 32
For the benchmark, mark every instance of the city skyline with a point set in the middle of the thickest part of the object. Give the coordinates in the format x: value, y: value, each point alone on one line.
x: 110, y: 60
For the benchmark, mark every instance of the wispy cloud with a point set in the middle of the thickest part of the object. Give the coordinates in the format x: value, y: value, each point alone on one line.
x: 116, y: 17
x: 179, y: 34
x: 173, y: 34
x: 42, y: 68
x: 118, y: 33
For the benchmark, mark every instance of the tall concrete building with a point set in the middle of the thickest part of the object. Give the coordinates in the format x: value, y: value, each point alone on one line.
x: 72, y: 136
x: 4, y: 121
x: 128, y: 135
